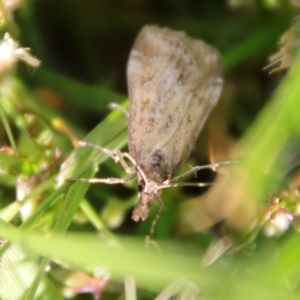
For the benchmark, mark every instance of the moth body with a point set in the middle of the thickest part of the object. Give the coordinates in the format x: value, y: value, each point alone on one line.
x: 174, y: 81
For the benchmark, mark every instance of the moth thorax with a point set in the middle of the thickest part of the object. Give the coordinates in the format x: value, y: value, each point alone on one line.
x: 155, y: 166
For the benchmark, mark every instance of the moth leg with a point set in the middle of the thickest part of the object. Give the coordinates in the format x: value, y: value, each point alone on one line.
x: 116, y: 155
x: 198, y: 168
x: 176, y: 184
x: 114, y: 105
x: 149, y: 238
x: 152, y: 242
x: 104, y: 180
x: 154, y: 222
x: 119, y: 157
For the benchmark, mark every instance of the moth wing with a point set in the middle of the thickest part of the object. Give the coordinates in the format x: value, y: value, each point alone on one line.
x: 204, y: 98
x: 173, y: 83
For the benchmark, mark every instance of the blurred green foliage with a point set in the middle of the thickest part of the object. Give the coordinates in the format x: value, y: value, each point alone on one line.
x: 61, y: 238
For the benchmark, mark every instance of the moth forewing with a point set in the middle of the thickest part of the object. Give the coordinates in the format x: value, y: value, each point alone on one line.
x: 173, y: 81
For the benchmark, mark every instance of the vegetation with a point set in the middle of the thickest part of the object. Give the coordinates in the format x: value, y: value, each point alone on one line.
x: 237, y: 239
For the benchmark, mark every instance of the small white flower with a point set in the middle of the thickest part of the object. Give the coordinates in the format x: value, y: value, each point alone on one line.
x: 10, y: 53
x: 277, y: 225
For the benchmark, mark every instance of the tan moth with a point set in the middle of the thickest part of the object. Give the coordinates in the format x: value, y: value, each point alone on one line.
x: 174, y: 82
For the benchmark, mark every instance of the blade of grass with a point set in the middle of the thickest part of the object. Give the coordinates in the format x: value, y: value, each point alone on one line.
x: 278, y: 122
x: 7, y: 129
x: 154, y: 271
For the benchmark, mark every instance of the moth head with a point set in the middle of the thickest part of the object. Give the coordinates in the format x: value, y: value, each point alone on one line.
x: 147, y: 192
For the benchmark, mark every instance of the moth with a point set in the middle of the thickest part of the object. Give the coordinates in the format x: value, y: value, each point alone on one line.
x: 174, y: 81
